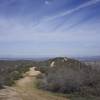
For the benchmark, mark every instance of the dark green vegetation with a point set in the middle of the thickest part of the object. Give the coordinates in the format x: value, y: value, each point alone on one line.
x: 13, y: 70
x: 69, y: 76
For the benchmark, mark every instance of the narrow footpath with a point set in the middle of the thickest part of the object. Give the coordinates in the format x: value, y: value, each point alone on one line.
x: 25, y: 89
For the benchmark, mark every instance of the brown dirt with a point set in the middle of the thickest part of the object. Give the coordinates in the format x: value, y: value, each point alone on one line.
x: 25, y: 90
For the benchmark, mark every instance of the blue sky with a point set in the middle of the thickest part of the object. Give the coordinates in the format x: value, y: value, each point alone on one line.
x: 41, y: 28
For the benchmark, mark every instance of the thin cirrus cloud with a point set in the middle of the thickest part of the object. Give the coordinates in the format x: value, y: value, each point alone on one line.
x: 26, y: 32
x: 87, y: 4
x: 55, y: 24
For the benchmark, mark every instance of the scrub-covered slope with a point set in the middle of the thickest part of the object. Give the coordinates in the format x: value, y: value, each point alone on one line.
x: 69, y: 75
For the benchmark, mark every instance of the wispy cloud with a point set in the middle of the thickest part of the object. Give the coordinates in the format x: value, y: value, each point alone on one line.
x: 87, y: 4
x: 24, y: 31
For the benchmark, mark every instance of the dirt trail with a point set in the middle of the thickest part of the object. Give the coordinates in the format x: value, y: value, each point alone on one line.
x: 25, y: 89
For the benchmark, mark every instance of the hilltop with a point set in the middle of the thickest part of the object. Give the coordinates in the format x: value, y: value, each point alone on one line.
x: 67, y: 75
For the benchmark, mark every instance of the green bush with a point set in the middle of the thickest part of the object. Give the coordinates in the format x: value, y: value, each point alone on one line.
x: 13, y: 70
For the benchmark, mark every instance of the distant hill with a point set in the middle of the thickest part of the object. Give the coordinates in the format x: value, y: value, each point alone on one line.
x: 92, y: 58
x: 86, y: 58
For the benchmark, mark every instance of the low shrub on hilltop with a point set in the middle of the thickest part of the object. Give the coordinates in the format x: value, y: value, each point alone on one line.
x: 68, y: 75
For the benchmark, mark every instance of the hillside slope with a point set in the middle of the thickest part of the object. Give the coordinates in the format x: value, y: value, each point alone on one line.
x: 25, y: 90
x: 67, y: 75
